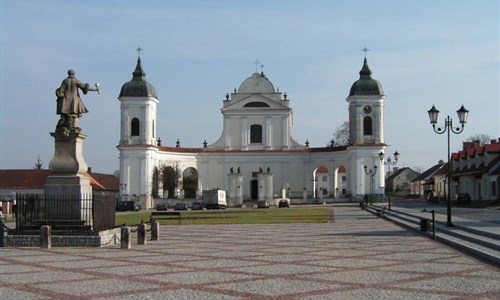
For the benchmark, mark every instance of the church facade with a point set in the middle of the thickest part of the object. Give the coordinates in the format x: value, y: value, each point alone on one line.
x: 256, y: 157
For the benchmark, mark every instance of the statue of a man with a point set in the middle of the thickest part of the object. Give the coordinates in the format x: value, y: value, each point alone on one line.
x: 69, y: 104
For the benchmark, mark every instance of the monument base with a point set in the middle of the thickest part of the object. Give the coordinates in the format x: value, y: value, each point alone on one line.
x: 68, y: 185
x: 68, y: 154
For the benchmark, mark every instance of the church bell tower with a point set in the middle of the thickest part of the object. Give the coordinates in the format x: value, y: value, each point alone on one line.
x: 137, y: 146
x: 366, y: 109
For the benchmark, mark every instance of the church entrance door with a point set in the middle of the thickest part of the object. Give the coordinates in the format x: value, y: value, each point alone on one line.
x: 254, y: 189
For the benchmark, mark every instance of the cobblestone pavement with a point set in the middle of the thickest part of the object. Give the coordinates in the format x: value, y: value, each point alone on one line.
x: 355, y: 256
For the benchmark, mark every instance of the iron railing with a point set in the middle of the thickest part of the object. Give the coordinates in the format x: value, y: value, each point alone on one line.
x: 79, y: 212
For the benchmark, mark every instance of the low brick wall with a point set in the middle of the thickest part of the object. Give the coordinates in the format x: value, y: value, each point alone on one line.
x: 103, y: 239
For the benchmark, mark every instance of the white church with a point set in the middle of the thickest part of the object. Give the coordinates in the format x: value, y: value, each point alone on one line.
x: 256, y: 157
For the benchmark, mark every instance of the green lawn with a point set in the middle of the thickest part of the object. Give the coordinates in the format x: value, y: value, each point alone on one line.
x: 234, y: 216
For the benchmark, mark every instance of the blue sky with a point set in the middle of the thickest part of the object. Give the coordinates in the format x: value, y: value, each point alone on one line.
x: 423, y: 52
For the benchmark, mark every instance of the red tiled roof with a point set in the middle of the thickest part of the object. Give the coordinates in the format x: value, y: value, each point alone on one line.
x: 23, y: 179
x: 35, y: 179
x: 470, y: 150
x: 209, y: 150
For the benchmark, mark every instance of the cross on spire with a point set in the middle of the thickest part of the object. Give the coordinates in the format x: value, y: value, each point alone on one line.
x: 256, y: 62
x: 365, y: 50
x: 139, y: 49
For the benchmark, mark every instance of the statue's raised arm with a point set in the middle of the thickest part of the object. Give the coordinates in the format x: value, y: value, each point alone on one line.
x: 69, y: 104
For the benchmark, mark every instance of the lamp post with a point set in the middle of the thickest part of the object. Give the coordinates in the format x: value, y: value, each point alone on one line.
x: 371, y: 173
x: 448, y: 127
x: 389, y: 163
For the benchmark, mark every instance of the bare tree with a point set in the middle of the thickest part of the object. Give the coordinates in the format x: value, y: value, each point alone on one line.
x: 169, y: 175
x: 341, y: 135
x: 482, y: 138
x: 418, y: 169
x: 38, y: 165
x: 190, y: 182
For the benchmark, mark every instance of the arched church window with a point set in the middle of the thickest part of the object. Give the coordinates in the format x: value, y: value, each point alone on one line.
x: 255, y: 134
x: 135, y: 127
x: 367, y: 126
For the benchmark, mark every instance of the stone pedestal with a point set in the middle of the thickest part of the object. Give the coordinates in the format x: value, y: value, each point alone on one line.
x: 265, y: 186
x: 68, y: 191
x: 235, y: 195
x: 68, y: 153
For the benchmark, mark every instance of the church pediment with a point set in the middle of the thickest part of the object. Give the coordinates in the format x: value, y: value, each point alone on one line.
x: 256, y: 101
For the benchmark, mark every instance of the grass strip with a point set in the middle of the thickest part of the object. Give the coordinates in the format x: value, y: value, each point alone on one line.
x: 241, y: 216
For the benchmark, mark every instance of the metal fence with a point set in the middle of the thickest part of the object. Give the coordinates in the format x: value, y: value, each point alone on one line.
x: 83, y: 213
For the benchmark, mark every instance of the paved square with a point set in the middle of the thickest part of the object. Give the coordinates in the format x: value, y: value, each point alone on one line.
x: 359, y: 256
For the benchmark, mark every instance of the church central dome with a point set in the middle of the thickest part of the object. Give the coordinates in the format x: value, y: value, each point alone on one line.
x: 257, y: 83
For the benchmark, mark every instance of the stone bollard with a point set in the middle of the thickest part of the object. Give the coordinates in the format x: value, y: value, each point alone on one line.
x: 45, y: 237
x: 125, y: 242
x: 141, y: 234
x: 155, y: 231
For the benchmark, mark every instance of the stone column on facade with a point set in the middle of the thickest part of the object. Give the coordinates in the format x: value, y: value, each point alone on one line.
x: 269, y: 133
x: 244, y: 133
x: 285, y: 133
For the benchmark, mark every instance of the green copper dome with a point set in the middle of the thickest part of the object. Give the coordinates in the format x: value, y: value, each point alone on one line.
x: 366, y: 85
x: 138, y: 86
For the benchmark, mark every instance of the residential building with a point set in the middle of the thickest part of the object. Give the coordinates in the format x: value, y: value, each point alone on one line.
x: 476, y: 170
x: 399, y: 181
x: 423, y: 185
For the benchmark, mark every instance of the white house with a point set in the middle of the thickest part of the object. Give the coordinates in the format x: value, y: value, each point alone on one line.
x: 256, y: 156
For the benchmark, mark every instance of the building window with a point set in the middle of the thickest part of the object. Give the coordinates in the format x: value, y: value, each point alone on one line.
x: 256, y: 104
x: 135, y: 127
x: 153, y: 133
x: 325, y: 178
x: 256, y: 134
x: 493, y: 188
x: 367, y: 126
x: 344, y: 178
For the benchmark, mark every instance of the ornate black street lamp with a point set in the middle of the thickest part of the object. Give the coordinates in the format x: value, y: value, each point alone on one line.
x: 448, y: 127
x: 389, y: 163
x: 371, y: 173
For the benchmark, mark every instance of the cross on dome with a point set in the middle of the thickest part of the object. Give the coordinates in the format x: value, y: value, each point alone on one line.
x: 256, y: 63
x: 365, y: 50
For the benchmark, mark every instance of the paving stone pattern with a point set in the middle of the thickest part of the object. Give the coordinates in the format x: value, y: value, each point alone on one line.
x: 355, y: 256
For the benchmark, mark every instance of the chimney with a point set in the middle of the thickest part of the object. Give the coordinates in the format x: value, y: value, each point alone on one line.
x: 467, y: 145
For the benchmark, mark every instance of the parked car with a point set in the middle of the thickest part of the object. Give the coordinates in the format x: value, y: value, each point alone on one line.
x: 197, y: 206
x: 128, y: 206
x: 284, y: 203
x: 180, y: 206
x: 262, y: 204
x: 463, y: 198
x: 161, y: 206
